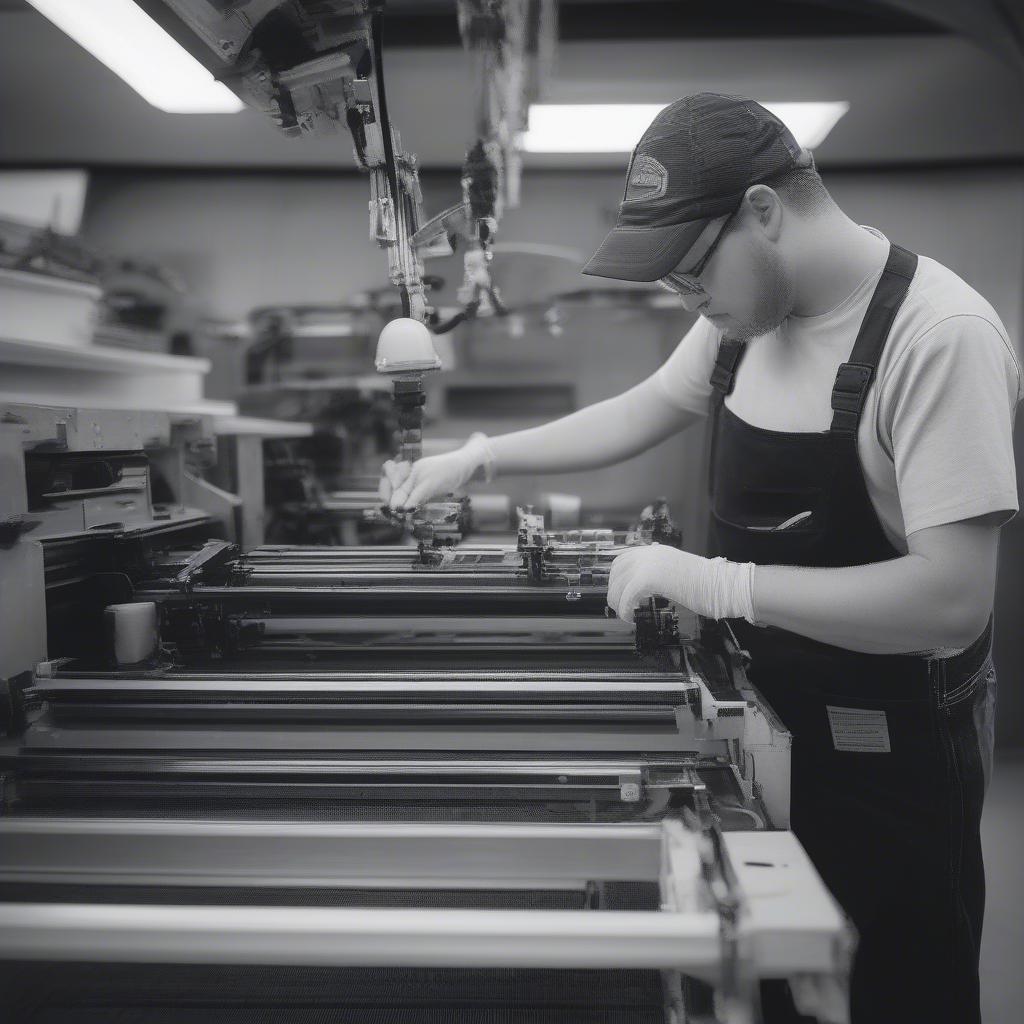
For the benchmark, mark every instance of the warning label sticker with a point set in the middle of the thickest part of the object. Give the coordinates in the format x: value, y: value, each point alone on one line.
x: 859, y: 730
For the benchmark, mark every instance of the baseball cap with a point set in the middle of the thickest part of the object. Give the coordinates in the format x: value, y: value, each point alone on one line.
x: 694, y: 163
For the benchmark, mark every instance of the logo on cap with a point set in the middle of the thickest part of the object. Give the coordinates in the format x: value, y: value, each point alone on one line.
x: 647, y: 180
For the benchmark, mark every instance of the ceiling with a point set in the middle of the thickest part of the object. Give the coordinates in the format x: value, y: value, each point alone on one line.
x: 432, y: 22
x: 918, y: 94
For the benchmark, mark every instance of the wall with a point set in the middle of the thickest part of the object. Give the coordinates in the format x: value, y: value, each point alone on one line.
x: 247, y: 240
x: 972, y: 221
x: 242, y: 241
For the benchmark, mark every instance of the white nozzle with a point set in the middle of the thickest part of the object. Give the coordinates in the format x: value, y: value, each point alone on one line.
x: 406, y: 346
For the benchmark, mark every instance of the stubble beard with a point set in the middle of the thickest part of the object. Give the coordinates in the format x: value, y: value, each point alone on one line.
x: 774, y: 300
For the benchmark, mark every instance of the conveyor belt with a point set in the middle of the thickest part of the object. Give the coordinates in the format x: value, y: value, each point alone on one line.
x: 68, y: 993
x: 456, y: 597
x: 459, y: 696
x: 467, y: 551
x: 606, y: 896
x: 217, y: 710
x: 465, y: 575
x: 564, y: 635
x: 86, y: 799
x: 457, y: 686
x: 500, y: 567
x: 521, y: 702
x: 385, y: 656
x: 500, y: 788
x: 617, y: 678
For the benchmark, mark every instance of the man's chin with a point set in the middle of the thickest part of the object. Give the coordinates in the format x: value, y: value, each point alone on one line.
x: 734, y: 330
x: 741, y: 332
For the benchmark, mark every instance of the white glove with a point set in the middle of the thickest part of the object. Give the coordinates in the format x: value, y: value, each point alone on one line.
x: 405, y: 485
x: 712, y: 587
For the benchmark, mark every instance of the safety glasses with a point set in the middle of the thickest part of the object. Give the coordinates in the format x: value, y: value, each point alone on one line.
x: 688, y: 283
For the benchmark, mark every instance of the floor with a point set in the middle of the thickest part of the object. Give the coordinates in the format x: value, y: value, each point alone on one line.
x: 1002, y: 952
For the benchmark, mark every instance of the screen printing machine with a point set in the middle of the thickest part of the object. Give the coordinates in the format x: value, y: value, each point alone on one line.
x: 417, y: 783
x: 420, y: 782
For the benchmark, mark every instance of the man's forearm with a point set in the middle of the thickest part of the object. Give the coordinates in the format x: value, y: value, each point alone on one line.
x: 577, y: 441
x: 596, y: 436
x: 900, y: 606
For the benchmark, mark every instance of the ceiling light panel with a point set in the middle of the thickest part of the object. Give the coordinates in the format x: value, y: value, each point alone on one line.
x: 617, y: 127
x: 122, y: 36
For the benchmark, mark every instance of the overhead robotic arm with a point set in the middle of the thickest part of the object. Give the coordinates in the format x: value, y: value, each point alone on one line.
x: 316, y: 67
x: 509, y: 43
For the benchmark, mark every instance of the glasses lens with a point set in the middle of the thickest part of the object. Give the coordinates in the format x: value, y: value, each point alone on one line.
x: 681, y: 284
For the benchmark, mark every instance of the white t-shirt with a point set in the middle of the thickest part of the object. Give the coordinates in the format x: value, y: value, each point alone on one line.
x: 936, y: 436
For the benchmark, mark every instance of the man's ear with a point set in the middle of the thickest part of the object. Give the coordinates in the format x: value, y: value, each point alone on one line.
x: 766, y: 208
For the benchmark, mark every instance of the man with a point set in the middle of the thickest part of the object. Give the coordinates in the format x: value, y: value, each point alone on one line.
x: 861, y: 402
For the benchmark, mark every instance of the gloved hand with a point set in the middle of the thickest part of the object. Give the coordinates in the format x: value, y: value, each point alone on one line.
x: 405, y: 485
x: 712, y: 587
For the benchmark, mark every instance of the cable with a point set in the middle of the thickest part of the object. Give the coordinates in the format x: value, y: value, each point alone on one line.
x: 376, y: 35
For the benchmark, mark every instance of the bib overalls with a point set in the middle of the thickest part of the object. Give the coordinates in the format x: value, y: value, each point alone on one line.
x: 889, y: 751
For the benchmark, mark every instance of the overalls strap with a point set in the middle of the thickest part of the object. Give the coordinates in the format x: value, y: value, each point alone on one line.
x: 727, y: 364
x: 854, y: 377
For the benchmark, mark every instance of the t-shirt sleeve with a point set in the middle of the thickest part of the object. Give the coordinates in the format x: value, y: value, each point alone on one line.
x: 685, y: 377
x: 951, y: 400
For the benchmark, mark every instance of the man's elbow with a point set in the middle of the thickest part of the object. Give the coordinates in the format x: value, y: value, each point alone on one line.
x: 958, y: 566
x: 961, y: 621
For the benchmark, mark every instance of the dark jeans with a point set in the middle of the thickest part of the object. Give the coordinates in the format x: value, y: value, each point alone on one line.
x: 897, y: 838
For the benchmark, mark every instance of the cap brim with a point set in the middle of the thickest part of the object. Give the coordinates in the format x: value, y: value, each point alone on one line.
x: 643, y: 254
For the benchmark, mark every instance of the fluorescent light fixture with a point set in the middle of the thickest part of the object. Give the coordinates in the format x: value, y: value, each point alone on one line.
x: 119, y: 34
x: 617, y: 127
x: 810, y: 123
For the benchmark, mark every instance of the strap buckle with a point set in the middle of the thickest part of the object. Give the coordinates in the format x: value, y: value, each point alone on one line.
x: 723, y: 379
x: 723, y: 376
x: 852, y: 383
